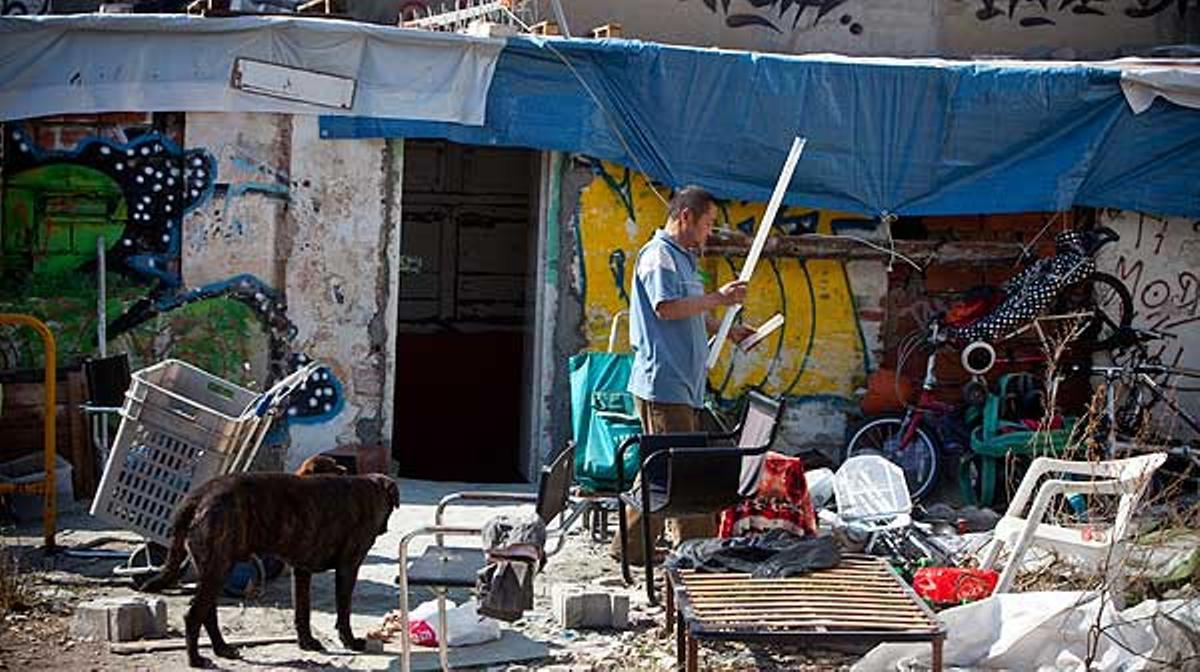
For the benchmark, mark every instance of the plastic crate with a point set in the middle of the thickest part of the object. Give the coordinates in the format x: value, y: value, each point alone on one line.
x: 180, y: 427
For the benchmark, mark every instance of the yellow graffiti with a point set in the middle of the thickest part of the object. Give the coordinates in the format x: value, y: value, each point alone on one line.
x: 819, y: 350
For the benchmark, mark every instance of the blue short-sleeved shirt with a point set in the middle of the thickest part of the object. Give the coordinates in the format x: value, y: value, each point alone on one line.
x: 669, y: 355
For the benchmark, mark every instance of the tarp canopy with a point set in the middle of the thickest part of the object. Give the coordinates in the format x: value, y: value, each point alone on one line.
x: 911, y: 137
x: 92, y: 63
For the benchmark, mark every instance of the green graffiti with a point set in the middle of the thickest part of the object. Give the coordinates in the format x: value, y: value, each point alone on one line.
x: 53, y: 216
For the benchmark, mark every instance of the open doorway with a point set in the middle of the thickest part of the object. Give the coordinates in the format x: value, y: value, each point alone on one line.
x: 468, y: 235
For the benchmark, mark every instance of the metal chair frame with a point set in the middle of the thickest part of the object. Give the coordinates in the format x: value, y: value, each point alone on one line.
x: 660, y: 451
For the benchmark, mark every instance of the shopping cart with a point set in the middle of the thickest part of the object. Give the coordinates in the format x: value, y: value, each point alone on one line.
x: 180, y: 426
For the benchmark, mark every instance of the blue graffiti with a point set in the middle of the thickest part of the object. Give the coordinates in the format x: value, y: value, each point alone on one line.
x: 318, y: 399
x: 159, y: 181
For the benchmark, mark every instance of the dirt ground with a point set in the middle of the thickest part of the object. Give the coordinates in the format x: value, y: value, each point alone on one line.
x: 36, y: 635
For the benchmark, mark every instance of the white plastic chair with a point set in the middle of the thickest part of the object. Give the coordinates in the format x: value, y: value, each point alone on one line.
x: 1127, y: 478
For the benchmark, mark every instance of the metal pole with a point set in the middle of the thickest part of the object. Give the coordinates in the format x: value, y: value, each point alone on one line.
x: 102, y: 331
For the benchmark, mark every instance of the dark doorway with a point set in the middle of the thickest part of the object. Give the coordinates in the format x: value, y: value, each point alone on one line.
x: 462, y: 335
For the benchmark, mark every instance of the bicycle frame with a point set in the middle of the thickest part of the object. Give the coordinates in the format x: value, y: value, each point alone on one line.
x: 1142, y: 379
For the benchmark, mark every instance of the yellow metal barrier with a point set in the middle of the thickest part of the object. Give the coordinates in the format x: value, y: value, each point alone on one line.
x: 46, y: 485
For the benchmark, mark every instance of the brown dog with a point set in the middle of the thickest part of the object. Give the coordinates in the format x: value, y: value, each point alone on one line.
x: 314, y: 523
x: 320, y: 464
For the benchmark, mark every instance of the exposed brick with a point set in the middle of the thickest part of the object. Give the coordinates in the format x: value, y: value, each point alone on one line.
x: 70, y: 136
x: 126, y: 119
x: 47, y: 137
x: 951, y: 279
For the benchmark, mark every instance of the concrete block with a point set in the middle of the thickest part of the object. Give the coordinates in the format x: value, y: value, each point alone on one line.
x: 579, y: 607
x: 620, y: 612
x: 120, y: 619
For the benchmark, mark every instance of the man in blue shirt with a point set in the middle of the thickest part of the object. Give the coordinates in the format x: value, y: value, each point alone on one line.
x: 669, y: 323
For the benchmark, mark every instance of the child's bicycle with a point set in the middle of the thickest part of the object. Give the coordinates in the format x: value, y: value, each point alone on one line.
x: 1060, y: 295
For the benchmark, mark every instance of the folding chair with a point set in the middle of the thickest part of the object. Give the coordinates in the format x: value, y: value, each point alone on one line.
x: 1106, y: 551
x: 693, y: 473
x: 442, y: 567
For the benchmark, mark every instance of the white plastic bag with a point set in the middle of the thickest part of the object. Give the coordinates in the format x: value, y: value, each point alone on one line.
x: 465, y: 625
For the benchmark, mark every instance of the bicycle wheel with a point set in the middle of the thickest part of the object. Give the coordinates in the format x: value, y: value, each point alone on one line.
x: 919, y: 459
x: 1108, y: 301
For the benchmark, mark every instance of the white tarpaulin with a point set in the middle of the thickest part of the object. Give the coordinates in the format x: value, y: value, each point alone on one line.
x: 134, y: 63
x: 1179, y: 84
x: 1057, y: 631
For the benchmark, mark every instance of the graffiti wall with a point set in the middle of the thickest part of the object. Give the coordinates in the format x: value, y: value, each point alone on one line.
x: 820, y: 354
x: 886, y: 27
x: 189, y: 237
x: 1063, y: 29
x: 1158, y: 259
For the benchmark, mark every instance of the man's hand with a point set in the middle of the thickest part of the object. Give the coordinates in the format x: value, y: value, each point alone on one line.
x: 740, y: 332
x: 731, y: 292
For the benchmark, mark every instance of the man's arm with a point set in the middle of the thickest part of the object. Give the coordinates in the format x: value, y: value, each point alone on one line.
x: 678, y: 309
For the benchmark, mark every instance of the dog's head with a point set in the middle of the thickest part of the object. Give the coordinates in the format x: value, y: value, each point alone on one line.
x: 389, y: 487
x: 320, y: 464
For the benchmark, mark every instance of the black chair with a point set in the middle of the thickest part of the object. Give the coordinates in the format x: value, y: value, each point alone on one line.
x: 695, y: 473
x: 442, y: 567
x: 107, y: 379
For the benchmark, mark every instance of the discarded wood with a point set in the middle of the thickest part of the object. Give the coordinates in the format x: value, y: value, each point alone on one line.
x: 924, y: 252
x: 179, y: 644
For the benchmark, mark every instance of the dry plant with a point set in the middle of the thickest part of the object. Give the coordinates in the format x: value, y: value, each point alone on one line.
x: 1168, y: 511
x: 16, y: 593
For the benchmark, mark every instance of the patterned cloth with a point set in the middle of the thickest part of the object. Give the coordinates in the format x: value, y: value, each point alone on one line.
x: 1028, y: 294
x: 781, y: 502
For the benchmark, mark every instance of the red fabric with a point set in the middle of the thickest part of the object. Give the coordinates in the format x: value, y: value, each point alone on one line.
x: 954, y: 585
x: 781, y: 502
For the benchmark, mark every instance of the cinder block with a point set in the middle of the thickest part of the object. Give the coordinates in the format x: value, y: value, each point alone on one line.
x: 579, y: 607
x: 620, y: 612
x: 120, y: 619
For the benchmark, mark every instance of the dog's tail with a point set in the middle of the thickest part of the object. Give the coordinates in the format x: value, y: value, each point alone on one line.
x: 178, y: 551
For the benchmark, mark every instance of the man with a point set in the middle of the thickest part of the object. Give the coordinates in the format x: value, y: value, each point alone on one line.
x: 669, y: 323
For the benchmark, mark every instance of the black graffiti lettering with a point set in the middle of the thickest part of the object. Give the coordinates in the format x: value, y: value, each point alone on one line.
x: 1156, y: 294
x: 762, y: 18
x: 1147, y: 8
x: 1125, y: 270
x: 1143, y: 9
x: 1190, y: 284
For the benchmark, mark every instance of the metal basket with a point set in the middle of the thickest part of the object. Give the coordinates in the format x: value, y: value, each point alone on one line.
x: 180, y: 427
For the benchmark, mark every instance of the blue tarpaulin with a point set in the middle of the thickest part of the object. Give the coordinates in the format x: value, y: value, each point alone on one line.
x: 902, y: 136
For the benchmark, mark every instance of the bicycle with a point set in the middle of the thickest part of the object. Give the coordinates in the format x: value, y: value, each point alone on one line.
x: 1148, y: 383
x: 1096, y: 307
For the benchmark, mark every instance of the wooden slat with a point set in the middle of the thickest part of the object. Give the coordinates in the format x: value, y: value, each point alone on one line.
x: 824, y: 618
x: 857, y: 607
x: 758, y: 601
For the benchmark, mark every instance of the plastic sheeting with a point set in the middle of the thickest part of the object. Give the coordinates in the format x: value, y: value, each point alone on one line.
x: 130, y: 63
x: 914, y: 137
x: 1057, y: 631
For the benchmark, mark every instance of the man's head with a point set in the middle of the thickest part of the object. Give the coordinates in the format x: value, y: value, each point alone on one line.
x: 691, y: 214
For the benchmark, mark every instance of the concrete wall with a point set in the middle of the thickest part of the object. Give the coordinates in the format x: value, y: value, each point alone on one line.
x: 242, y: 243
x: 1158, y: 258
x: 829, y: 341
x: 1085, y: 28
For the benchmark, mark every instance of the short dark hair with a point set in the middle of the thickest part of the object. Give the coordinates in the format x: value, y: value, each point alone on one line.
x: 694, y: 198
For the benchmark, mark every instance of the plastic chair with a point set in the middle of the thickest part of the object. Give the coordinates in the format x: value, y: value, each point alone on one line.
x: 1000, y: 435
x: 1127, y: 478
x: 442, y: 567
x: 694, y: 473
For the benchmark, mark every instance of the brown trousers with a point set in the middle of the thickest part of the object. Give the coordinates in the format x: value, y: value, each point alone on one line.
x: 659, y: 418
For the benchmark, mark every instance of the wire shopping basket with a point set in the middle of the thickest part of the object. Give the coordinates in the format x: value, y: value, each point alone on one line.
x: 180, y: 427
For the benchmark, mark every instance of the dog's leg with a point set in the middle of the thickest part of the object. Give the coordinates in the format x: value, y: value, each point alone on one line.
x: 203, y: 610
x: 301, y: 582
x: 347, y: 575
x: 219, y: 645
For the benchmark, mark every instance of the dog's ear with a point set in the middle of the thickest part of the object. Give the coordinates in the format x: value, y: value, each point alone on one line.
x: 393, y: 492
x: 389, y: 486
